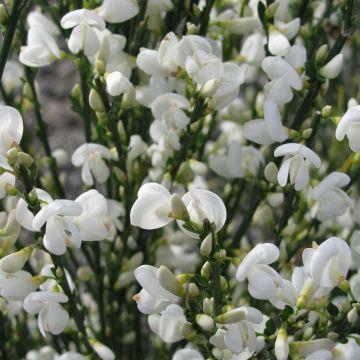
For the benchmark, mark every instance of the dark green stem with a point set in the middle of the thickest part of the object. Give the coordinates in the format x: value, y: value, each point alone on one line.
x: 16, y: 9
x: 205, y: 16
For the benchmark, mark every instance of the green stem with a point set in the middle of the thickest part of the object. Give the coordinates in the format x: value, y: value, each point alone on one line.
x: 16, y: 9
x: 205, y: 16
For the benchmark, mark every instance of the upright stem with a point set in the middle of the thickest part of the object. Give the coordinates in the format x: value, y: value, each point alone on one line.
x: 16, y: 9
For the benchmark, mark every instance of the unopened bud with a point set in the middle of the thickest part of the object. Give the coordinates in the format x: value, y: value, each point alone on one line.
x: 206, y: 270
x: 28, y: 93
x: 271, y: 10
x: 12, y: 156
x: 208, y: 307
x: 206, y: 245
x: 308, y: 333
x: 332, y: 69
x: 76, y: 92
x: 15, y: 262
x: 326, y: 111
x: 178, y: 208
x: 100, y: 67
x: 169, y: 282
x: 352, y: 316
x: 193, y: 290
x: 231, y: 317
x: 11, y: 190
x: 205, y: 321
x: 209, y: 88
x: 344, y: 285
x: 322, y: 54
x: 84, y: 273
x: 186, y: 329
x: 25, y: 159
x: 270, y: 172
x: 95, y: 101
x: 3, y: 14
x: 307, y: 133
x: 282, y: 345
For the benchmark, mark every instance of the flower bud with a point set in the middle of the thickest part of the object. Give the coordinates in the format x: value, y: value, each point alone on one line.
x: 15, y: 261
x: 95, y: 101
x: 205, y: 321
x: 76, y: 92
x: 178, y: 208
x: 307, y: 133
x: 206, y: 270
x: 169, y: 282
x: 206, y: 245
x: 332, y: 69
x: 28, y: 93
x: 282, y: 345
x: 84, y: 273
x: 352, y: 316
x: 25, y: 159
x: 100, y: 67
x: 209, y: 88
x: 186, y: 329
x: 11, y: 190
x: 12, y: 156
x: 326, y: 111
x: 321, y: 54
x: 270, y: 172
x: 231, y: 317
x: 193, y: 290
x: 344, y: 285
x: 3, y: 14
x: 208, y: 307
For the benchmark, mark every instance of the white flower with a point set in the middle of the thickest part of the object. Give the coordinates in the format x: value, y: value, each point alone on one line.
x: 60, y: 230
x: 153, y: 298
x: 229, y: 165
x: 278, y: 43
x: 11, y: 79
x: 118, y: 11
x: 10, y: 229
x: 332, y: 69
x: 71, y: 355
x: 228, y: 86
x: 91, y: 157
x: 348, y: 351
x: 349, y: 125
x: 158, y: 6
x: 168, y: 324
x: 15, y: 261
x: 23, y: 215
x: 11, y: 128
x: 297, y: 165
x: 137, y: 147
x: 91, y: 222
x: 52, y: 317
x: 252, y: 50
x: 276, y: 67
x: 332, y: 201
x: 37, y: 19
x: 117, y: 84
x: 83, y: 37
x: 187, y: 354
x: 269, y: 130
x: 41, y: 48
x: 104, y: 352
x: 18, y: 285
x: 263, y: 280
x: 152, y: 208
x: 328, y: 262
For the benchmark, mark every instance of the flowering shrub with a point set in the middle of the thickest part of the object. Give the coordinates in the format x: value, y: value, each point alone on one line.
x: 216, y: 212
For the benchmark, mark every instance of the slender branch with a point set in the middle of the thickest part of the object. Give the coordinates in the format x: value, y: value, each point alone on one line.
x: 16, y: 10
x: 205, y: 16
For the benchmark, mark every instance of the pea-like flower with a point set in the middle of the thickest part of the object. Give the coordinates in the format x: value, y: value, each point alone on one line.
x: 52, y: 317
x: 349, y: 125
x: 296, y: 166
x: 91, y: 157
x: 331, y: 200
x: 154, y: 208
x: 264, y: 281
x: 85, y: 24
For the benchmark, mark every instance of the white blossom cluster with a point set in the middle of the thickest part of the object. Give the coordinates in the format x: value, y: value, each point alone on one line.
x: 217, y: 211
